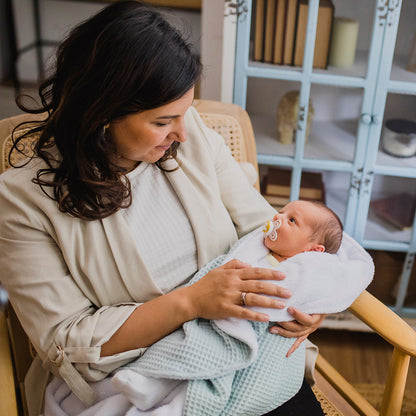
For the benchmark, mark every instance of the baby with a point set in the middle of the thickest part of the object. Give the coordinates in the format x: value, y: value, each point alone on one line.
x: 302, y: 226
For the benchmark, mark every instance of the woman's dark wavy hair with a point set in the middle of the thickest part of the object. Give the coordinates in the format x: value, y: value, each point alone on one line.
x: 124, y: 60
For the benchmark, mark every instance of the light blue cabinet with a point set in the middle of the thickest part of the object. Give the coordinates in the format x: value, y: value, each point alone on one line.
x: 351, y: 105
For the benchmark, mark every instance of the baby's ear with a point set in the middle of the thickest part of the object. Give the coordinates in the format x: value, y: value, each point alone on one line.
x: 318, y: 247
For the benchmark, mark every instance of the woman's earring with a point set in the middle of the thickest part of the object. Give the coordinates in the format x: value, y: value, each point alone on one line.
x: 106, y: 126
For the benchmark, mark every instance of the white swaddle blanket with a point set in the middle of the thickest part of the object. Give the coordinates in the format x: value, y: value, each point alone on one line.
x: 319, y: 282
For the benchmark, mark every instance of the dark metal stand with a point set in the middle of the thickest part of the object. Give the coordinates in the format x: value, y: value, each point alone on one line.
x: 37, y: 44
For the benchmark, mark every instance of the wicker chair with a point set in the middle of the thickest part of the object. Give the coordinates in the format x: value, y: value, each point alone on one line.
x: 336, y: 395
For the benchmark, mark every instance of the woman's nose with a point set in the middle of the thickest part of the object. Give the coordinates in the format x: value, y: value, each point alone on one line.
x: 179, y: 132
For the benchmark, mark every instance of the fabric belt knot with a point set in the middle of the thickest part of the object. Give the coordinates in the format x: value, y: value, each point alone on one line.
x: 71, y: 376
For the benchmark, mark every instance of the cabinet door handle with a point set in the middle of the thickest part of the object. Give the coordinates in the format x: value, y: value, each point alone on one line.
x: 366, y: 118
x: 377, y: 119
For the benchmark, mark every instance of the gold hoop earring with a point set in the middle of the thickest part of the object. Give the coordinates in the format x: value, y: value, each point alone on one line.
x: 106, y: 126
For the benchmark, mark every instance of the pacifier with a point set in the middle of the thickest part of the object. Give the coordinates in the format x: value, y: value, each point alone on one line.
x: 270, y: 229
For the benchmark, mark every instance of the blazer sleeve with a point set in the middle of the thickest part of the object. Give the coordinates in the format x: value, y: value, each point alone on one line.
x: 246, y: 206
x: 63, y: 320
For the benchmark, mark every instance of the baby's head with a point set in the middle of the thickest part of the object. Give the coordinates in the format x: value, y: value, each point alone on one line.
x: 303, y: 226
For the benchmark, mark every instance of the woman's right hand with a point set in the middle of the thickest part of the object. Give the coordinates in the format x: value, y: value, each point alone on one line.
x: 218, y: 294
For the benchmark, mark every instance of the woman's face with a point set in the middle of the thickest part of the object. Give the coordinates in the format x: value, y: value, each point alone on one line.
x: 146, y: 136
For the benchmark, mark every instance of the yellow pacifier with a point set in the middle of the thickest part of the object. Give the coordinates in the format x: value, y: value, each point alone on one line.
x: 270, y: 228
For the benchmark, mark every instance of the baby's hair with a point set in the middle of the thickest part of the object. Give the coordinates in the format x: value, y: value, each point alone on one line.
x: 328, y: 231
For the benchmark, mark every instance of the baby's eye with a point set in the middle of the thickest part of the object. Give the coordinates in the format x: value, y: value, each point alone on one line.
x: 292, y: 220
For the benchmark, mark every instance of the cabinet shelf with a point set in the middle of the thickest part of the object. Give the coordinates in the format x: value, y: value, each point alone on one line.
x: 330, y: 141
x: 348, y: 77
x: 395, y: 166
x: 402, y: 81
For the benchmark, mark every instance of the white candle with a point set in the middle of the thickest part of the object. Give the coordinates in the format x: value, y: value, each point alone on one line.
x: 343, y: 42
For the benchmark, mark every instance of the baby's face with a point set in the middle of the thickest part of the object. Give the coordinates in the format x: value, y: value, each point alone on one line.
x: 297, y: 222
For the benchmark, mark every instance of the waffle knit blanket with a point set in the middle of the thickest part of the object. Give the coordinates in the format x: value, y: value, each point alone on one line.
x: 236, y: 367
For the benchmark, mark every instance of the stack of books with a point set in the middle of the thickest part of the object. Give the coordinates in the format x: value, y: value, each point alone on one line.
x: 275, y: 187
x: 280, y: 32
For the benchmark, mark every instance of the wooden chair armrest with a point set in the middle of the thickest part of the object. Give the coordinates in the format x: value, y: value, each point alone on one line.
x: 385, y: 322
x: 8, y: 404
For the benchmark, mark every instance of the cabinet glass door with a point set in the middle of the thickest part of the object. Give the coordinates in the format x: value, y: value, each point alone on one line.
x: 390, y: 164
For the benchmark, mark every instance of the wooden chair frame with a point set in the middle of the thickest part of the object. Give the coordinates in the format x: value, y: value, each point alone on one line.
x: 337, y: 396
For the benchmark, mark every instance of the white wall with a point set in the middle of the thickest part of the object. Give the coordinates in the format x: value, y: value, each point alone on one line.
x: 218, y: 49
x: 57, y: 18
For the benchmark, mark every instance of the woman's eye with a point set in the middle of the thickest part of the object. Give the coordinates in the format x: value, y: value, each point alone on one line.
x: 161, y: 124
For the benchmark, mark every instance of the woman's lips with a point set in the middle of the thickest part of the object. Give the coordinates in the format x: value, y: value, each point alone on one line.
x: 164, y: 148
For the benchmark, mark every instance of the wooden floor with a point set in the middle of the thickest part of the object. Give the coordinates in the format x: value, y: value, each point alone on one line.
x: 361, y: 357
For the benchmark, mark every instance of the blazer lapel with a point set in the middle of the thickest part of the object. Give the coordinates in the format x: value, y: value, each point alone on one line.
x: 130, y: 264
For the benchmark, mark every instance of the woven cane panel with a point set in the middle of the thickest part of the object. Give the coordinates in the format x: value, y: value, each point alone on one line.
x: 328, y: 408
x: 229, y: 128
x: 24, y: 149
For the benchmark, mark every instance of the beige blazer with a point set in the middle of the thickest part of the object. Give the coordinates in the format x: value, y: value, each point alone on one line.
x: 73, y: 283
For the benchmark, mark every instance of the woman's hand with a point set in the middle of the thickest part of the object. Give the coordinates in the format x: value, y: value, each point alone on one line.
x: 301, y: 327
x: 219, y: 293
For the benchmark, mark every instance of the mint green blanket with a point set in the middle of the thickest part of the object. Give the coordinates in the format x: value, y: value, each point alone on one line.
x: 234, y: 367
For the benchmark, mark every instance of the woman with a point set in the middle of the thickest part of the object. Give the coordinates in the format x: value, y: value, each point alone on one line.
x: 126, y: 196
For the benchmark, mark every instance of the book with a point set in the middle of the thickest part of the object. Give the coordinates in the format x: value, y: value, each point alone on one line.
x: 398, y: 210
x: 275, y: 200
x: 289, y: 35
x: 279, y: 31
x: 278, y: 202
x: 277, y: 184
x: 259, y: 29
x: 323, y: 33
x: 269, y: 30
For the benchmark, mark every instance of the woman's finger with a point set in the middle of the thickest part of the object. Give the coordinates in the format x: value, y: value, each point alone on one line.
x: 247, y: 314
x: 234, y: 264
x: 269, y: 288
x: 293, y: 326
x: 296, y: 345
x: 293, y: 332
x: 252, y: 299
x: 291, y: 329
x: 304, y: 318
x: 261, y: 273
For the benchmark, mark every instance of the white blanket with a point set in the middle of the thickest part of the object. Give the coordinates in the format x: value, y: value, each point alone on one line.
x: 320, y: 283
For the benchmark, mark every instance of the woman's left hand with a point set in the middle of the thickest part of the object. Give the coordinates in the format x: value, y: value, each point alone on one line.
x: 302, y: 326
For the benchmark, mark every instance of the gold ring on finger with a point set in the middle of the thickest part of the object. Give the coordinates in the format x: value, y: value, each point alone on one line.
x: 243, y: 297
